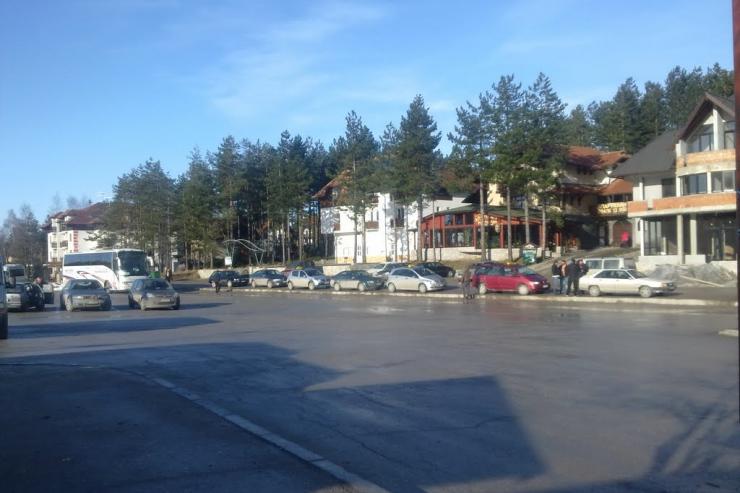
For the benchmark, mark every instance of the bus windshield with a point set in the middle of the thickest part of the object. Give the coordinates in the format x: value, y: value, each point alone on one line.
x: 132, y: 263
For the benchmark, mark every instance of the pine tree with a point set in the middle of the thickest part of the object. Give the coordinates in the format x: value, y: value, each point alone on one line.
x: 652, y: 112
x: 418, y: 159
x: 578, y: 128
x: 683, y: 90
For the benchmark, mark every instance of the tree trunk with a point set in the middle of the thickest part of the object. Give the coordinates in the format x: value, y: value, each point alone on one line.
x: 364, y: 240
x: 508, y: 224
x: 282, y: 242
x: 288, y: 239
x: 406, y: 230
x: 300, y: 235
x: 354, y: 254
x: 434, y: 236
x: 483, y: 241
x: 419, y: 236
x: 527, y: 239
x: 543, y: 240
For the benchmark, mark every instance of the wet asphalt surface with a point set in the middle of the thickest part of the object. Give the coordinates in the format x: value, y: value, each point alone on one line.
x: 410, y: 394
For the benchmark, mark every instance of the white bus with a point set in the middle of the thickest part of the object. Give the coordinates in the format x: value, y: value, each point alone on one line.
x: 115, y: 269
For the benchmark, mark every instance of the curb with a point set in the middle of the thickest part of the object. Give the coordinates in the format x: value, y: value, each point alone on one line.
x: 494, y: 297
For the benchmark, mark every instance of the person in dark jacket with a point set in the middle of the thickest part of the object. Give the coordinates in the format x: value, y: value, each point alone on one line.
x: 574, y: 273
x: 557, y: 279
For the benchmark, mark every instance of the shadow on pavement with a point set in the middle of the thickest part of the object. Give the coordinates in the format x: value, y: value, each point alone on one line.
x: 89, y: 327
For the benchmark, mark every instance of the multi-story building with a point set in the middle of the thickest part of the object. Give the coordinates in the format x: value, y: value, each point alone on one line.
x: 72, y: 231
x: 684, y: 190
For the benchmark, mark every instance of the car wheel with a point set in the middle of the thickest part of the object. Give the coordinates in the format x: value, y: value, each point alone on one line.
x: 229, y: 284
x: 311, y: 286
x: 522, y: 289
x: 68, y: 305
x: 270, y: 284
x: 646, y: 291
x: 594, y: 291
x: 482, y: 289
x: 361, y: 287
x: 254, y: 284
x: 422, y: 288
x: 391, y: 287
x: 337, y: 286
x: 290, y: 285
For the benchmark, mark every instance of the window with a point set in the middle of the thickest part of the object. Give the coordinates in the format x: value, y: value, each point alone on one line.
x: 723, y: 181
x: 448, y: 219
x: 668, y: 185
x: 458, y: 219
x: 729, y: 135
x: 702, y: 140
x: 660, y: 236
x: 693, y: 184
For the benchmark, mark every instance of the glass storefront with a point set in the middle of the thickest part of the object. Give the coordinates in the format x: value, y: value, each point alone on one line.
x: 660, y: 236
x: 717, y: 237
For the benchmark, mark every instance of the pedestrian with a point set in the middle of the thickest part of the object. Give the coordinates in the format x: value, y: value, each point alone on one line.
x: 582, y: 269
x: 563, y: 276
x: 624, y: 240
x: 574, y: 273
x: 466, y: 281
x: 218, y: 285
x: 557, y: 285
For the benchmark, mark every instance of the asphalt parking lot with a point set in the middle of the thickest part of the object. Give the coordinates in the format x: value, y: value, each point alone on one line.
x: 403, y: 394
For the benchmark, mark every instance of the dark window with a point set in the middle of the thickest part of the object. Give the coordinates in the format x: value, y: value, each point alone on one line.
x: 723, y: 181
x: 729, y: 135
x: 660, y: 236
x: 702, y: 140
x: 668, y: 186
x: 693, y: 184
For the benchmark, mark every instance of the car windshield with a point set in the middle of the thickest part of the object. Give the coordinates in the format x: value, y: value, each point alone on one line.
x: 526, y: 271
x: 423, y: 271
x: 272, y: 272
x: 363, y: 276
x: 156, y: 284
x: 313, y: 272
x: 636, y: 274
x: 132, y: 263
x: 85, y: 284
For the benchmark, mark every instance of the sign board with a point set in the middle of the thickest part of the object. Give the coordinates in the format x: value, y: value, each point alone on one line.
x: 227, y: 261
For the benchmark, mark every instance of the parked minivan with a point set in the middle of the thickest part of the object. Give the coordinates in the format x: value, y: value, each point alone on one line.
x: 3, y: 304
x: 611, y: 263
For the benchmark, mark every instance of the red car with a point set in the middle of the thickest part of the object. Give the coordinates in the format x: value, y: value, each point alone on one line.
x: 505, y: 277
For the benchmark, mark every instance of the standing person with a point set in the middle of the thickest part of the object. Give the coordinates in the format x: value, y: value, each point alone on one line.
x: 557, y: 283
x: 582, y: 268
x: 466, y: 282
x: 563, y: 276
x: 574, y: 273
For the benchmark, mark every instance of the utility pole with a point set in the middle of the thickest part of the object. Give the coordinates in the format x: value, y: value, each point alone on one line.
x: 736, y: 51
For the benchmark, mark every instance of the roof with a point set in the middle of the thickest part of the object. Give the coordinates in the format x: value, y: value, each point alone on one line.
x: 618, y: 186
x: 333, y: 183
x: 590, y: 158
x: 658, y: 156
x: 88, y: 216
x: 706, y: 103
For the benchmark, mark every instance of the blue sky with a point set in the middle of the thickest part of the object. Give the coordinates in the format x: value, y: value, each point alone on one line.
x: 90, y: 89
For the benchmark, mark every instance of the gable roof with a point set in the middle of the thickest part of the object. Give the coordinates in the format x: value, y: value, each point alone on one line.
x: 656, y: 157
x: 593, y: 159
x: 86, y: 217
x: 707, y: 102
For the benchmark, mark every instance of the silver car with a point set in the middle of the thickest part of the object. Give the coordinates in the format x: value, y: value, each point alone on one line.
x: 383, y: 269
x: 153, y: 293
x: 417, y: 279
x: 84, y: 293
x: 624, y: 281
x: 355, y: 279
x: 308, y: 278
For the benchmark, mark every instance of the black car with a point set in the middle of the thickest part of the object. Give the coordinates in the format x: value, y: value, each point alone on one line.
x: 438, y: 268
x: 25, y: 295
x: 228, y: 278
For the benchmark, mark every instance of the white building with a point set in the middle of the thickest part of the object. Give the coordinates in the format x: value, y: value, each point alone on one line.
x: 73, y: 231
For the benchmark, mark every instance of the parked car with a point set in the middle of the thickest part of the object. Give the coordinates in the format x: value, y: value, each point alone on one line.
x: 356, y: 279
x: 624, y: 281
x: 228, y: 278
x: 270, y: 278
x: 84, y: 293
x: 25, y: 295
x: 307, y: 278
x: 438, y: 268
x: 384, y: 268
x: 153, y: 293
x: 417, y: 279
x: 300, y: 265
x: 508, y: 278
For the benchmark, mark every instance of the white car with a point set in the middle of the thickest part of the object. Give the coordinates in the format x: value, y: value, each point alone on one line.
x: 307, y: 278
x: 417, y: 279
x: 624, y: 281
x: 383, y: 269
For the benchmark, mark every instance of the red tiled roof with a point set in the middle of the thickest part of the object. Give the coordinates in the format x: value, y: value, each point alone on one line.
x: 590, y: 158
x: 619, y: 186
x: 88, y: 216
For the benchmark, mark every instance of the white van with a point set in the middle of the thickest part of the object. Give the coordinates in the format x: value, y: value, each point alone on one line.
x: 3, y: 304
x: 610, y: 263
